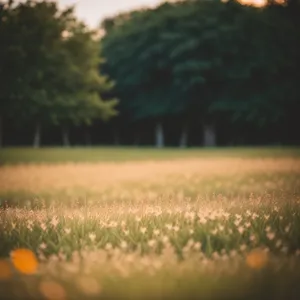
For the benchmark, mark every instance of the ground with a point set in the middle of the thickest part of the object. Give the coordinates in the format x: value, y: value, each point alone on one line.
x: 122, y: 223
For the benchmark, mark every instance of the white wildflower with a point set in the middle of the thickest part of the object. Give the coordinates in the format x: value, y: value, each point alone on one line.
x: 43, y: 246
x: 241, y: 229
x: 176, y: 228
x: 270, y: 235
x: 197, y: 246
x: 151, y: 243
x: 108, y: 246
x: 92, y: 236
x: 156, y: 232
x: 67, y: 230
x: 124, y: 245
x: 215, y: 231
x: 165, y: 239
x: 268, y: 228
x: 54, y: 222
x: 243, y: 247
x: 43, y: 226
x: 169, y: 226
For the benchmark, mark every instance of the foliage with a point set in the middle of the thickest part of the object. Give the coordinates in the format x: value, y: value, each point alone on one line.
x: 50, y: 66
x: 204, y: 59
x: 220, y: 64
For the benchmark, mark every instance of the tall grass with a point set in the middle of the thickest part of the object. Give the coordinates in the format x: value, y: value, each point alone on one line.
x: 200, y: 228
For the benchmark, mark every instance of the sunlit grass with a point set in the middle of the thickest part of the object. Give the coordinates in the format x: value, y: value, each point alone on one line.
x: 226, y: 228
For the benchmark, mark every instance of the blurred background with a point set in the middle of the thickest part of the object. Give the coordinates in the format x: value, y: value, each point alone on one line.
x: 174, y: 73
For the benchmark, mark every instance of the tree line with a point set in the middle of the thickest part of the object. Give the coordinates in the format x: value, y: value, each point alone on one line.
x: 204, y: 67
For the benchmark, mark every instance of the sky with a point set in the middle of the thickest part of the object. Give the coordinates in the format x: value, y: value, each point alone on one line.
x: 92, y: 12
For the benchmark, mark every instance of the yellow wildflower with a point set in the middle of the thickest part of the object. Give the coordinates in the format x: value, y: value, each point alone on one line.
x: 24, y: 260
x: 257, y: 259
x: 5, y: 270
x: 88, y: 285
x: 52, y: 290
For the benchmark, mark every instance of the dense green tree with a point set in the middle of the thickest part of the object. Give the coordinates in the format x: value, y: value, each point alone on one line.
x: 80, y: 101
x: 52, y: 68
x: 138, y: 64
x: 10, y: 62
x: 265, y: 96
x: 167, y: 56
x: 204, y: 60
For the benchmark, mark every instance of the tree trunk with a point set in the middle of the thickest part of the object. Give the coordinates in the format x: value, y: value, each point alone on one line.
x: 209, y: 139
x: 88, y: 139
x: 159, y: 135
x: 37, y: 135
x: 1, y: 132
x: 136, y: 141
x: 65, y: 136
x: 116, y: 138
x: 184, y: 137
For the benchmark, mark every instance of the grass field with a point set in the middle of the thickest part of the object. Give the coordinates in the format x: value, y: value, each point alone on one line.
x: 115, y: 154
x: 109, y: 223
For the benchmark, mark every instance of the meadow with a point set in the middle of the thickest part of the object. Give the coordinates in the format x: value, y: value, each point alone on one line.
x: 109, y: 223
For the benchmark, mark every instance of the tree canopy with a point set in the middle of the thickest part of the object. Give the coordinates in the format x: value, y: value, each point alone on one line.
x: 205, y: 59
x: 50, y: 66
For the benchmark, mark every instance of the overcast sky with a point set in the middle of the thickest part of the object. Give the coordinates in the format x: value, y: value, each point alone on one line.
x: 94, y: 11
